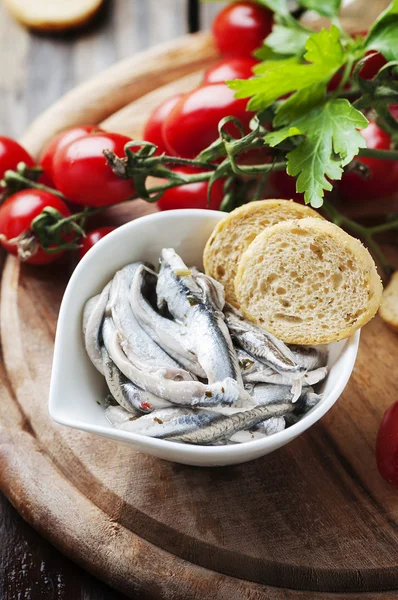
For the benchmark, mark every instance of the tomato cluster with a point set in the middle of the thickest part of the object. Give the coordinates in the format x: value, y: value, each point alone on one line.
x: 73, y: 163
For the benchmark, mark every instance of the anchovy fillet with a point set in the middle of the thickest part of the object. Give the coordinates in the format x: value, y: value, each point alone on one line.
x: 267, y: 375
x: 169, y: 335
x: 260, y: 344
x: 310, y: 357
x: 226, y: 426
x: 188, y: 393
x: 93, y: 327
x: 138, y: 346
x: 208, y: 334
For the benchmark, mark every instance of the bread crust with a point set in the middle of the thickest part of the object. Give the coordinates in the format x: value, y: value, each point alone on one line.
x: 59, y: 16
x: 316, y: 246
x: 232, y: 236
x: 389, y: 304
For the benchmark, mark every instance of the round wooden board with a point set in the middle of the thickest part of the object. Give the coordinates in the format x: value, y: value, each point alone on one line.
x: 311, y: 521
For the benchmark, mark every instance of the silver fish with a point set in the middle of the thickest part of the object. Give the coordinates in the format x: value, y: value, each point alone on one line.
x: 164, y: 424
x: 93, y: 325
x: 267, y: 375
x: 169, y: 335
x: 138, y: 346
x: 88, y: 309
x: 212, y: 291
x: 260, y: 344
x: 271, y: 426
x: 269, y: 393
x: 247, y: 363
x: 116, y: 382
x: 225, y: 427
x: 186, y: 393
x: 206, y: 328
x: 310, y: 357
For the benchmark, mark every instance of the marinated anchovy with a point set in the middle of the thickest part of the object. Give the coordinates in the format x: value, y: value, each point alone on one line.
x: 260, y: 344
x: 271, y: 426
x: 169, y: 335
x: 269, y: 376
x: 88, y: 309
x: 213, y: 291
x: 138, y: 346
x: 225, y: 427
x: 269, y: 393
x: 206, y: 329
x: 310, y: 357
x: 188, y: 393
x: 93, y: 328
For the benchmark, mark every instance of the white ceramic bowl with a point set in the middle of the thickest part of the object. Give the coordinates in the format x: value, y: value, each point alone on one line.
x: 76, y: 386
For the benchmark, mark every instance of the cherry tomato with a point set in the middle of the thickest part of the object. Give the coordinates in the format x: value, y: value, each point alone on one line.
x: 394, y: 110
x: 82, y: 175
x: 193, y: 123
x: 192, y: 195
x: 383, y: 174
x: 60, y: 141
x: 372, y: 65
x: 241, y: 27
x: 284, y: 186
x: 12, y: 153
x: 17, y: 213
x: 237, y: 67
x: 153, y: 128
x: 387, y: 445
x: 92, y: 238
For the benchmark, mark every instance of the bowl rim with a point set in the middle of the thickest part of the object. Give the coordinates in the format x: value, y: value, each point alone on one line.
x: 215, y: 452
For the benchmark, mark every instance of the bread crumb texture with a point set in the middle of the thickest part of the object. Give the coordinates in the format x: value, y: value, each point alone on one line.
x: 389, y: 304
x: 232, y: 236
x: 308, y: 282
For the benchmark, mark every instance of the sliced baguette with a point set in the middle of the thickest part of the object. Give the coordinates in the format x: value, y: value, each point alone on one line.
x: 236, y: 232
x: 308, y: 282
x: 56, y: 15
x: 389, y: 304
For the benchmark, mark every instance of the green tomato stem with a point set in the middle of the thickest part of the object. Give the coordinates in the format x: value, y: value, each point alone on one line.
x: 15, y: 176
x: 383, y: 154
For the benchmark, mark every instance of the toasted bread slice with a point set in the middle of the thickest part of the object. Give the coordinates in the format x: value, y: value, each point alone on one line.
x: 308, y: 282
x: 389, y: 304
x: 236, y: 232
x: 58, y: 15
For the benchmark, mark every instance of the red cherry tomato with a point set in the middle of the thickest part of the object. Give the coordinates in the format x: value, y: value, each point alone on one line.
x: 383, y: 174
x: 387, y: 445
x: 192, y: 195
x: 82, y: 175
x: 241, y: 27
x: 12, y: 153
x: 238, y: 67
x: 394, y: 110
x: 153, y: 128
x: 92, y: 238
x: 284, y: 186
x: 193, y: 123
x: 372, y: 65
x: 17, y: 213
x: 60, y: 141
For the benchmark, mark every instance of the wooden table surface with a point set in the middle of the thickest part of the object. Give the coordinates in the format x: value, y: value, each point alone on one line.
x: 35, y: 70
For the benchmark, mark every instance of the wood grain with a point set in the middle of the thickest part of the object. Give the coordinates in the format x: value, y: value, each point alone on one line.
x: 311, y: 521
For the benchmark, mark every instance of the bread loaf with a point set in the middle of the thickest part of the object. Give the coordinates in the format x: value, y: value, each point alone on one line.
x: 235, y: 233
x: 308, y: 282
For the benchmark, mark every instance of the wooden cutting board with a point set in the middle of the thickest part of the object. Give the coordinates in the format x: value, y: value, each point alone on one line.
x: 312, y: 521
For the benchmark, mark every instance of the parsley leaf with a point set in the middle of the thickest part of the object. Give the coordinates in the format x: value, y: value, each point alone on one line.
x: 326, y: 8
x: 287, y: 40
x: 325, y: 56
x: 383, y: 35
x: 279, y: 7
x: 330, y: 142
x: 299, y: 104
